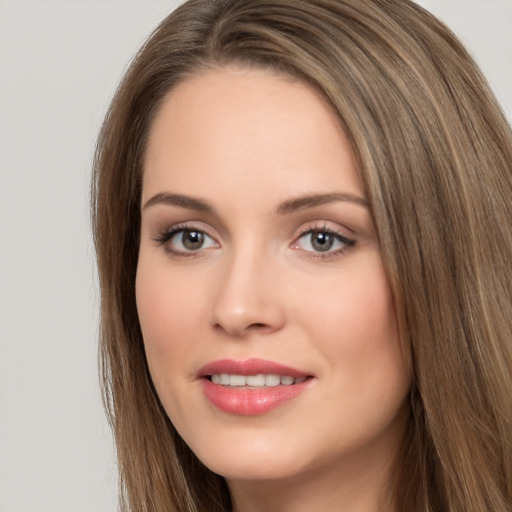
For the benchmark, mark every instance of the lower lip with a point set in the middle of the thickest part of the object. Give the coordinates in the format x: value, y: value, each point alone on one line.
x: 250, y: 402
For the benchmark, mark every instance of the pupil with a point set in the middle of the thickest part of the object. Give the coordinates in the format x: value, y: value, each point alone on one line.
x: 192, y: 240
x: 322, y: 241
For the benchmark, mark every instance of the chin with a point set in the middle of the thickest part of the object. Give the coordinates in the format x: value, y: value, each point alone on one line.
x: 250, y: 457
x: 256, y: 470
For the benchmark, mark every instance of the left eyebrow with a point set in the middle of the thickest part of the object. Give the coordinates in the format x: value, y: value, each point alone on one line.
x: 310, y: 201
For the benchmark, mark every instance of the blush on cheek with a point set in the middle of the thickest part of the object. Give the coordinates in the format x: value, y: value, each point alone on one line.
x: 151, y: 308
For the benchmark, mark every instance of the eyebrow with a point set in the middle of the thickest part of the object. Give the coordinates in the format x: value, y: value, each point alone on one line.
x: 285, y: 208
x: 310, y: 201
x: 188, y: 202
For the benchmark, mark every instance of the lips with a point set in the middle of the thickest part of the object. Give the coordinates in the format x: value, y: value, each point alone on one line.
x: 250, y: 387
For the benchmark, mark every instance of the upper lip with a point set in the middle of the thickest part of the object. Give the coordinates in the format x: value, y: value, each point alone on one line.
x: 249, y: 367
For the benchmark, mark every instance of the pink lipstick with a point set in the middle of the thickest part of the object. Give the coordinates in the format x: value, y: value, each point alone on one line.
x: 250, y: 387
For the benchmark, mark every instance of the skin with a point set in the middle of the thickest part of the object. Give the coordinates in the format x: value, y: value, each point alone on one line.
x: 246, y: 141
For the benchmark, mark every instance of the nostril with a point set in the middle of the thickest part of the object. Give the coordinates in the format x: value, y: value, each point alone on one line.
x: 257, y: 326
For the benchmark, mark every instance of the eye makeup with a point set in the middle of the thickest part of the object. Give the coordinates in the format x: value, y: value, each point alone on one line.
x: 315, y: 240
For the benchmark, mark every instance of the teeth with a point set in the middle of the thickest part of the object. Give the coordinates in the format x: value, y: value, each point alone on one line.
x: 257, y: 381
x: 272, y: 380
x: 237, y: 380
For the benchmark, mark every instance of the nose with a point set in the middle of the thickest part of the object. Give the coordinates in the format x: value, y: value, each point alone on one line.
x: 247, y: 299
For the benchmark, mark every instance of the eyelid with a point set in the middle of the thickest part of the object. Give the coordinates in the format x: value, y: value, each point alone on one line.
x: 169, y: 228
x: 324, y: 225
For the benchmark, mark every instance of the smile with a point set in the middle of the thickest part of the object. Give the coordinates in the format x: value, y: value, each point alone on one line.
x: 255, y: 381
x: 251, y: 387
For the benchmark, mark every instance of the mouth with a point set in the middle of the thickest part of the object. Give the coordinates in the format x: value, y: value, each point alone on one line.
x: 251, y: 387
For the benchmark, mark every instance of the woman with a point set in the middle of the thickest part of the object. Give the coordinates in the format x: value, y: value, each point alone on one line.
x: 302, y: 220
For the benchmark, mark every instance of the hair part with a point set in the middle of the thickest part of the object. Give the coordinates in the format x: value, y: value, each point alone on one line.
x: 434, y: 151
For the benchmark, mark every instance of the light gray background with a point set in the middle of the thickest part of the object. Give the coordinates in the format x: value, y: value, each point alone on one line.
x: 60, y: 62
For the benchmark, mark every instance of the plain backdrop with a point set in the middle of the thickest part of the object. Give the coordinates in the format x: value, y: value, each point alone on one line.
x: 60, y: 62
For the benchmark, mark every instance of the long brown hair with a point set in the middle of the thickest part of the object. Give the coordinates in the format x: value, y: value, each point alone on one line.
x: 435, y: 154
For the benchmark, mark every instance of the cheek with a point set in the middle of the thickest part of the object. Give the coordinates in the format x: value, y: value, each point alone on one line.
x: 355, y: 308
x: 164, y: 315
x: 356, y: 327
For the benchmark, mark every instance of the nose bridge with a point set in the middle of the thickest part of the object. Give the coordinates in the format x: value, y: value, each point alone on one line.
x: 246, y: 298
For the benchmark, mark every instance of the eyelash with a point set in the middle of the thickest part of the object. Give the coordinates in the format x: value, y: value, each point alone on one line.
x: 164, y: 237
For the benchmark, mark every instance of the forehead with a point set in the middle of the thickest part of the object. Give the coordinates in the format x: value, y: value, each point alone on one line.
x: 248, y: 129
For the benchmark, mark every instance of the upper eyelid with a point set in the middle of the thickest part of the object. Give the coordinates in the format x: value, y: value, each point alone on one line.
x: 216, y: 231
x: 323, y: 225
x: 344, y: 239
x: 187, y: 225
x: 330, y: 231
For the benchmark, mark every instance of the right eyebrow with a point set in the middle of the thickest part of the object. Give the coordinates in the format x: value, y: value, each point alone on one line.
x: 188, y: 202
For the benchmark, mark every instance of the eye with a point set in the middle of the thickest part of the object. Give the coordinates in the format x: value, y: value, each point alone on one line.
x: 322, y: 241
x: 182, y: 241
x: 191, y: 240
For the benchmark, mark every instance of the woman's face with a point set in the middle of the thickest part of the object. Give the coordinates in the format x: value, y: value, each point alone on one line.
x: 268, y: 322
